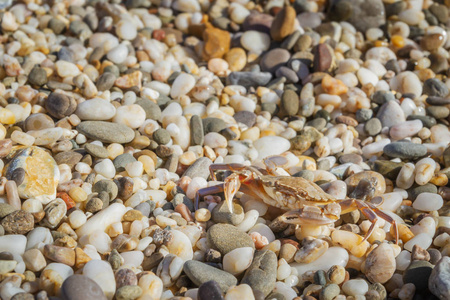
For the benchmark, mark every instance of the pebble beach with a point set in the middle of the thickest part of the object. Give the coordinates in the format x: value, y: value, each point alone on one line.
x: 112, y: 113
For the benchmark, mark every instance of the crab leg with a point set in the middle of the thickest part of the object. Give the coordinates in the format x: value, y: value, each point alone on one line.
x: 370, y: 212
x: 216, y: 189
x: 225, y: 167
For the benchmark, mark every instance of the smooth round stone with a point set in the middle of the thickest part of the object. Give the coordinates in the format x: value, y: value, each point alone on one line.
x: 249, y: 79
x: 96, y: 110
x: 423, y: 240
x: 428, y: 202
x: 290, y: 102
x: 180, y: 245
x: 182, y: 85
x: 80, y: 287
x: 152, y: 110
x: 245, y: 117
x: 105, y: 81
x: 238, y: 260
x: 380, y: 264
x: 200, y: 273
x: 38, y: 121
x: 37, y: 76
x: 221, y: 214
x: 418, y: 273
x: 225, y: 238
x: 271, y: 145
x: 332, y: 256
x: 405, y: 150
x: 210, y: 290
x: 406, y: 83
x: 66, y: 69
x: 60, y: 105
x: 405, y: 129
x: 101, y: 272
x: 41, y: 173
x: 283, y: 23
x: 355, y: 287
x: 262, y: 273
x: 118, y: 54
x: 274, y: 59
x: 255, y: 41
x: 426, y: 225
x: 391, y: 114
x: 106, y: 132
x: 13, y: 243
x: 132, y: 116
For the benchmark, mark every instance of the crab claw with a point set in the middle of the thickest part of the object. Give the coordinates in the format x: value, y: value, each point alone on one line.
x: 231, y: 187
x: 309, y: 215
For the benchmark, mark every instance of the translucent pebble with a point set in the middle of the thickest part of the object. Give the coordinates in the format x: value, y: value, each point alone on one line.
x: 285, y: 290
x: 105, y: 168
x: 423, y: 240
x: 255, y: 41
x: 101, y: 272
x: 196, y: 184
x: 132, y: 258
x: 238, y: 260
x: 428, y: 202
x: 390, y: 201
x: 242, y: 291
x: 100, y: 240
x: 134, y: 169
x: 182, y: 85
x: 424, y: 170
x: 426, y: 225
x: 403, y: 260
x: 118, y: 54
x: 355, y: 287
x: 132, y: 116
x: 77, y: 219
x: 180, y: 246
x: 405, y: 178
x: 250, y: 218
x: 264, y: 230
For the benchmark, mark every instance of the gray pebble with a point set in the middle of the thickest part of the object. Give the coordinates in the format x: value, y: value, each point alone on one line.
x: 122, y: 160
x: 200, y: 273
x: 405, y: 150
x: 249, y: 79
x: 80, y: 287
x: 262, y: 273
x: 200, y: 168
x: 106, y: 132
x: 225, y: 238
x: 372, y: 127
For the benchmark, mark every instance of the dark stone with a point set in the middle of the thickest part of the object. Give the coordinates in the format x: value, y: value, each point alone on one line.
x: 80, y: 287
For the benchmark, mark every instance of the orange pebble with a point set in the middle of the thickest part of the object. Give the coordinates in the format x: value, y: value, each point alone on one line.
x: 397, y: 41
x: 333, y: 86
x: 66, y: 198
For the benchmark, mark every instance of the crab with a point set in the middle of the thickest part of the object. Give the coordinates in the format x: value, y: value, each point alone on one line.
x: 304, y: 201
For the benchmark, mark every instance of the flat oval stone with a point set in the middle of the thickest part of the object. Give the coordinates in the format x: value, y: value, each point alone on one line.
x: 225, y: 237
x: 274, y: 59
x: 41, y: 173
x: 106, y: 132
x: 405, y: 150
x: 200, y: 273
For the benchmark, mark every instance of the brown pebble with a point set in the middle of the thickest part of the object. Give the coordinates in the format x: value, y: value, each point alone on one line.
x: 60, y: 254
x: 418, y: 253
x: 18, y: 222
x: 125, y: 277
x: 184, y: 211
x: 346, y: 120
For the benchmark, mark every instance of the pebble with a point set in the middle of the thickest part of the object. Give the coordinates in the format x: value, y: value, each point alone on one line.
x: 355, y: 287
x: 209, y: 290
x: 405, y: 150
x: 418, y: 273
x: 390, y: 114
x: 261, y: 275
x: 438, y: 282
x: 106, y: 132
x: 283, y: 23
x: 219, y: 238
x: 36, y: 163
x: 60, y: 105
x: 274, y: 59
x: 380, y: 264
x: 199, y: 273
x: 95, y: 110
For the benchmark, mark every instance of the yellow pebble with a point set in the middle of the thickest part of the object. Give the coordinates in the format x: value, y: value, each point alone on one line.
x: 78, y: 194
x: 250, y: 134
x: 377, y: 235
x: 439, y: 180
x: 114, y: 150
x: 397, y: 41
x: 267, y: 133
x: 148, y: 163
x: 7, y: 116
x: 404, y: 233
